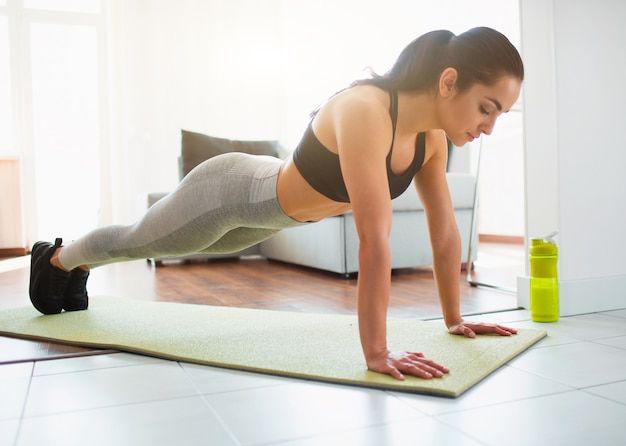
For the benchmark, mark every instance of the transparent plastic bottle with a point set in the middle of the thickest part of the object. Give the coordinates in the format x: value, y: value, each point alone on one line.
x: 544, y: 283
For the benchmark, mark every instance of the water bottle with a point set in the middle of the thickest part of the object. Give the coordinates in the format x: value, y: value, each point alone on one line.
x: 544, y: 283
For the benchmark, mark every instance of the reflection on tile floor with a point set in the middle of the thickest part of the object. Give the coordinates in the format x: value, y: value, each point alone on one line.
x: 568, y: 389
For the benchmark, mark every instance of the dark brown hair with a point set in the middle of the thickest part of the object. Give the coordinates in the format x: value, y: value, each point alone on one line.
x: 480, y: 55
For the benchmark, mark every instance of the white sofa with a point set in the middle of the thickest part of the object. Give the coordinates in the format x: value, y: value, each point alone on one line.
x: 332, y: 244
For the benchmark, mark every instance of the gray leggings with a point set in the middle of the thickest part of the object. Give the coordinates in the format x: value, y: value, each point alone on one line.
x: 224, y: 205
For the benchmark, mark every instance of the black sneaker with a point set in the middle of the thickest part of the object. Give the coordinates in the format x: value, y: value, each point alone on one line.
x: 47, y: 283
x: 75, y: 297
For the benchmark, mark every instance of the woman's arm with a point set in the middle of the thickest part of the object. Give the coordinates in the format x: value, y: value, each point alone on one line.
x: 432, y: 187
x: 363, y: 139
x: 363, y: 136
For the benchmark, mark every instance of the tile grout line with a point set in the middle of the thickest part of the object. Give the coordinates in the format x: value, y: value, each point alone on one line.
x: 23, y: 411
x: 217, y: 416
x: 586, y: 390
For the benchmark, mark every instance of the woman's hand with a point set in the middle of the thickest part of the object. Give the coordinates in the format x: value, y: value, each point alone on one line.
x: 470, y: 330
x: 397, y: 364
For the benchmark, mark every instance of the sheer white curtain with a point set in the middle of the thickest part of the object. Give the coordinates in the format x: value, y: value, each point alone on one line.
x: 6, y: 98
x: 66, y: 127
x: 54, y: 117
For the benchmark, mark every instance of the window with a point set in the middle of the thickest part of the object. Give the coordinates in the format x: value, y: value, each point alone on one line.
x: 89, y: 6
x: 65, y: 127
x: 52, y: 103
x: 6, y: 99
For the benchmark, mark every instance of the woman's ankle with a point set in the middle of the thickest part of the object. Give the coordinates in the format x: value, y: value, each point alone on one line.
x: 54, y: 261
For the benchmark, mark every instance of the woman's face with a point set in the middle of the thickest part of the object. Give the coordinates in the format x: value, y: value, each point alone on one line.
x: 469, y: 114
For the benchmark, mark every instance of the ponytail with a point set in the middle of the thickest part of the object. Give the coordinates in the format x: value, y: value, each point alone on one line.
x: 419, y: 65
x: 480, y: 55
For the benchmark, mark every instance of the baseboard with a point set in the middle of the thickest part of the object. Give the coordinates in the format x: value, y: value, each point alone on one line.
x: 12, y: 252
x: 582, y: 296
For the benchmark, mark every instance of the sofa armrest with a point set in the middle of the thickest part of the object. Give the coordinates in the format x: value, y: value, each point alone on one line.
x: 461, y: 187
x: 153, y: 197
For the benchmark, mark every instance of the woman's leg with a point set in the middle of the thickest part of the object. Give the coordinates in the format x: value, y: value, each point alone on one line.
x: 223, y: 205
x: 217, y: 197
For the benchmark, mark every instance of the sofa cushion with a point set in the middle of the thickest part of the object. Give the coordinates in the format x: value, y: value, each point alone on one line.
x: 197, y: 147
x: 461, y: 190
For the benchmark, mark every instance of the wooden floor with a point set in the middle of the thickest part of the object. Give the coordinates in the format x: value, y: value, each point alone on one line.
x: 258, y: 283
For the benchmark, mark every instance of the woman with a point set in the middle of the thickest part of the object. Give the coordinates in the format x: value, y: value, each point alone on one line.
x: 362, y: 148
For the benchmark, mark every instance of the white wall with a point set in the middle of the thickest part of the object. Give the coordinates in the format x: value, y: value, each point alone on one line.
x: 574, y: 141
x: 250, y: 69
x: 207, y: 66
x: 501, y: 181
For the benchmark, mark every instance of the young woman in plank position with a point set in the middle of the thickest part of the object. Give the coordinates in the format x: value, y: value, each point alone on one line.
x: 362, y: 149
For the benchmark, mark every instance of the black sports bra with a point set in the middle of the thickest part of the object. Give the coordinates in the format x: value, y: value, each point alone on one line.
x: 320, y: 167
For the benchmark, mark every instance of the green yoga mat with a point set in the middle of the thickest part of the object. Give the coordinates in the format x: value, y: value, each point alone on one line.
x: 311, y: 346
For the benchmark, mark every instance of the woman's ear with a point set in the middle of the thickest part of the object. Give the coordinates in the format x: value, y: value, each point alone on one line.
x: 447, y: 82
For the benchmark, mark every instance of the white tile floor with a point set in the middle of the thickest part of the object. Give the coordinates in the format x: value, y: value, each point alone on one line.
x: 569, y: 389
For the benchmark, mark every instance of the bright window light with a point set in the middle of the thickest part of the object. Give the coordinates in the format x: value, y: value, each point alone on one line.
x: 90, y: 6
x: 66, y: 129
x: 6, y: 116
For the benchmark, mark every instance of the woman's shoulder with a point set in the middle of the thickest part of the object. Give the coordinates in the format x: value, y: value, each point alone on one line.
x: 436, y: 147
x: 360, y: 105
x: 436, y: 136
x: 356, y: 114
x: 368, y: 97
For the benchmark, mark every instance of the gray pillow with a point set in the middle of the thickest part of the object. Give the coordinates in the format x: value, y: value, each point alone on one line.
x: 196, y: 148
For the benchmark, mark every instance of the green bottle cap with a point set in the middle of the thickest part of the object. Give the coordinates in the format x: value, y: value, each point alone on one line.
x: 543, y: 246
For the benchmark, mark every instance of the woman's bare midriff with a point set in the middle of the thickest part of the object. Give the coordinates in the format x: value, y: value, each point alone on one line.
x: 300, y: 201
